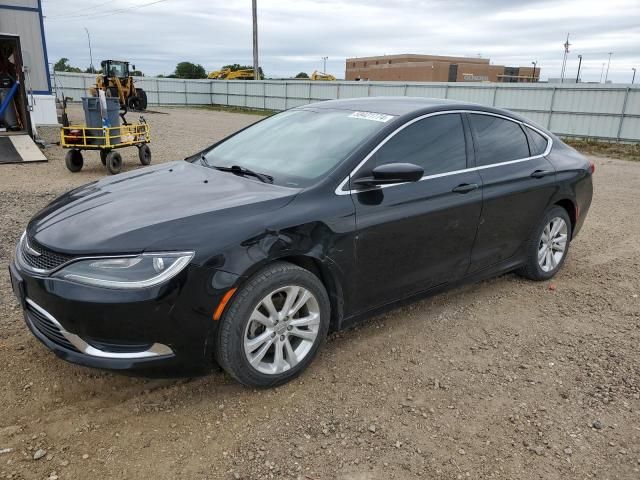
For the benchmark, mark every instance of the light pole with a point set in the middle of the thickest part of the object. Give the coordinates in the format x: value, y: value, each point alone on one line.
x: 533, y: 76
x: 90, y: 54
x: 579, y: 65
x: 564, y: 59
x: 606, y: 77
x: 324, y: 64
x: 256, y: 67
x: 634, y: 75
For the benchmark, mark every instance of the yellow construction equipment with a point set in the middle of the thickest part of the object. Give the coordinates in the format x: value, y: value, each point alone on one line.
x: 327, y: 77
x: 228, y: 74
x: 116, y: 81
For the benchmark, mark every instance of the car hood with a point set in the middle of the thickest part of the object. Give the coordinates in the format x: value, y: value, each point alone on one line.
x: 169, y: 206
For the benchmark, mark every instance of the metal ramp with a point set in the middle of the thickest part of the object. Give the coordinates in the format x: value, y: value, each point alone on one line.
x: 19, y: 149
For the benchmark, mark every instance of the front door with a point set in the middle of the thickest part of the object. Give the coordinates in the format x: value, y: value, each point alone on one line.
x: 414, y: 236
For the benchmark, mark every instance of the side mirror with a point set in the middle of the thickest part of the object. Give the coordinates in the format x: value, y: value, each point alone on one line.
x: 133, y: 68
x: 391, y: 173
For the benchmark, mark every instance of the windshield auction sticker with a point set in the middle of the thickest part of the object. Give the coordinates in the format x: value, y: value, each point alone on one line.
x: 376, y: 117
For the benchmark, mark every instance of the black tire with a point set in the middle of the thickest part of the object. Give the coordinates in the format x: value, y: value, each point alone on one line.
x: 103, y: 156
x: 532, y: 268
x: 114, y: 162
x: 134, y: 104
x: 144, y: 154
x: 142, y: 95
x: 73, y: 160
x: 230, y: 353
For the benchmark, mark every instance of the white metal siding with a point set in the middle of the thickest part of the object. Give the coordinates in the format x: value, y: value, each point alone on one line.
x: 26, y: 25
x: 21, y: 3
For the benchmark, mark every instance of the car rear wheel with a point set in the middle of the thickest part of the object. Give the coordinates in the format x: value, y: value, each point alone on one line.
x: 548, y: 247
x: 274, y: 326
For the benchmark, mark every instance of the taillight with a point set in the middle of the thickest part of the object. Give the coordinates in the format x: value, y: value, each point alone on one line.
x: 592, y: 167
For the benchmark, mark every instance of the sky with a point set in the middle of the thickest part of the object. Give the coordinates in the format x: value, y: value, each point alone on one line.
x: 294, y: 35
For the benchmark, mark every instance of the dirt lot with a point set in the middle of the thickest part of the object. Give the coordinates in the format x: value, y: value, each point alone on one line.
x: 503, y: 379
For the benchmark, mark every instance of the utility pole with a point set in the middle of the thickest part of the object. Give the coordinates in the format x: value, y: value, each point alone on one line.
x: 564, y: 60
x: 606, y: 77
x: 634, y: 75
x: 256, y: 66
x: 324, y: 64
x: 579, y: 65
x: 90, y: 54
x: 602, y: 71
x: 533, y: 76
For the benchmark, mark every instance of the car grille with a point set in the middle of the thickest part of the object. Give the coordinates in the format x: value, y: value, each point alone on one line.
x: 47, y: 328
x: 47, y: 260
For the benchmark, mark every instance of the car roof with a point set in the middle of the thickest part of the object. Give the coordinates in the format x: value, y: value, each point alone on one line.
x: 403, y: 106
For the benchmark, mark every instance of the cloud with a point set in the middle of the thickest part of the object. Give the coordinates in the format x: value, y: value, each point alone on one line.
x: 295, y: 34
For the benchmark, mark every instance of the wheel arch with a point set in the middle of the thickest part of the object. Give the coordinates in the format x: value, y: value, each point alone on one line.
x: 321, y: 269
x: 571, y: 209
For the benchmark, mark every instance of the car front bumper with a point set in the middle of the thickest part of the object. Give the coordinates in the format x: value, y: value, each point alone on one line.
x: 167, y: 328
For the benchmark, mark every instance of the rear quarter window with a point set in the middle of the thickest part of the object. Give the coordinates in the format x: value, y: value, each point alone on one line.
x: 537, y: 142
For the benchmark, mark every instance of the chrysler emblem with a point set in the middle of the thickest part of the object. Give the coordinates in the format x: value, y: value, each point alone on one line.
x: 30, y: 250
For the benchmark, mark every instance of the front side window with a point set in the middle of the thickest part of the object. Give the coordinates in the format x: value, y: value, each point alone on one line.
x: 498, y: 140
x: 435, y: 143
x: 297, y: 147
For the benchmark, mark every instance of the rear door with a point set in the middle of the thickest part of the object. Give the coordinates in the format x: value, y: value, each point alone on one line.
x: 414, y: 236
x: 518, y: 182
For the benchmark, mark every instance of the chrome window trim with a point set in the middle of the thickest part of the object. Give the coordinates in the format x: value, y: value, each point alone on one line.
x: 340, y: 188
x: 155, y: 350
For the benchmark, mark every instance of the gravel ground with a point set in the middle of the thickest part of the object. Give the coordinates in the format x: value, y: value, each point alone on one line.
x: 502, y: 379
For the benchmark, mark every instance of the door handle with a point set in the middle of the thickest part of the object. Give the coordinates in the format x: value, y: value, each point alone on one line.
x: 465, y: 188
x: 542, y: 173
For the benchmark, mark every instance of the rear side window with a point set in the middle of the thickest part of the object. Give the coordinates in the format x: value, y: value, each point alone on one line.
x: 436, y: 143
x: 498, y: 140
x: 537, y: 143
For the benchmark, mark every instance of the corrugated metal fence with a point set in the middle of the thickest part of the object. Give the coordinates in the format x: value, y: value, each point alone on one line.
x: 610, y: 112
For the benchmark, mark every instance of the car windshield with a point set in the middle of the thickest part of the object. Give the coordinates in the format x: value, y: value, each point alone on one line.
x: 297, y: 147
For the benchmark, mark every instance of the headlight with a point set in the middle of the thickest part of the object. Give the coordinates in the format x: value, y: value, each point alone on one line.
x: 140, y: 271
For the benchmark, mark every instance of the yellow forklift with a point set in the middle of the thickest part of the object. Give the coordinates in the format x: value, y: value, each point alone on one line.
x: 116, y: 81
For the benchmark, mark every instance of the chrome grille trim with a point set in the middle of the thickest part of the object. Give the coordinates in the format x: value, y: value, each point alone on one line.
x: 39, y: 259
x: 155, y: 350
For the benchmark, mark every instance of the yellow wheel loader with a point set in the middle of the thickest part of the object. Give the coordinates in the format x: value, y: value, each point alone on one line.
x: 228, y: 74
x: 116, y: 81
x: 321, y: 76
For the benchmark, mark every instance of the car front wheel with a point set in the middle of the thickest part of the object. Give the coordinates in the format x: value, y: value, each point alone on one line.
x: 274, y: 326
x: 548, y: 247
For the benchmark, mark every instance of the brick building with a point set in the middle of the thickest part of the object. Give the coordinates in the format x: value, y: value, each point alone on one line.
x: 435, y: 68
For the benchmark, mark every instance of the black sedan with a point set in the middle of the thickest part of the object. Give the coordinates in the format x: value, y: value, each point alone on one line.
x: 249, y: 252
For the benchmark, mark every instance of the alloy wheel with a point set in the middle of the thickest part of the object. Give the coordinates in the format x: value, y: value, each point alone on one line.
x: 282, y: 330
x: 553, y: 244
